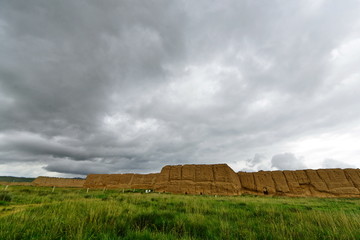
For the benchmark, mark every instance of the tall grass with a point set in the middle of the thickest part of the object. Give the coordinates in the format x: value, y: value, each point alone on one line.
x: 37, y: 213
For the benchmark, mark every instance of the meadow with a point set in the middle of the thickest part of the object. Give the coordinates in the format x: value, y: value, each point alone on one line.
x: 69, y: 213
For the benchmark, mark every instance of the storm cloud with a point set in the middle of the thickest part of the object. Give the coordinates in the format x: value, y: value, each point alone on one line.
x: 130, y: 86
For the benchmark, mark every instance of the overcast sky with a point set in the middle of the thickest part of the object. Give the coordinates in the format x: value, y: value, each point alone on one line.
x: 131, y: 86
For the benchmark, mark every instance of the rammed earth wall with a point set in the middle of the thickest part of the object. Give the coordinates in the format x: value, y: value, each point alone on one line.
x: 220, y: 179
x: 58, y: 182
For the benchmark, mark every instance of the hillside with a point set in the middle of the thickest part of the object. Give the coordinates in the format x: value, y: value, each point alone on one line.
x: 15, y: 179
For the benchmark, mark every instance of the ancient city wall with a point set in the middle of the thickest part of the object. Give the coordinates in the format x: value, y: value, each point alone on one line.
x: 217, y: 179
x: 57, y: 182
x: 317, y: 183
x: 124, y: 181
x: 220, y: 179
x: 16, y: 183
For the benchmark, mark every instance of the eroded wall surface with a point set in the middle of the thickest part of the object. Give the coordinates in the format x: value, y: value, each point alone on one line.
x: 57, y: 182
x: 317, y: 183
x: 16, y: 183
x: 218, y: 179
x: 124, y: 181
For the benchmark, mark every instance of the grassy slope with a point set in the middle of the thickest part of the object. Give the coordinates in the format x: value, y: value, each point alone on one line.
x: 39, y: 213
x: 15, y: 179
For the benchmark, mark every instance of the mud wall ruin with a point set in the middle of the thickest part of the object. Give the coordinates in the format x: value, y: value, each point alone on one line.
x: 217, y: 179
x: 16, y: 183
x: 124, y: 181
x: 317, y: 183
x: 57, y: 182
x: 220, y: 179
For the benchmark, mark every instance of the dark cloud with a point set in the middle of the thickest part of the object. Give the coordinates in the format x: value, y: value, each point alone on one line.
x: 35, y: 145
x: 79, y: 168
x: 136, y: 85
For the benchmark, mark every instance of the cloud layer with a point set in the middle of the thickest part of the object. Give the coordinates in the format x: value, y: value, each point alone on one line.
x: 131, y: 86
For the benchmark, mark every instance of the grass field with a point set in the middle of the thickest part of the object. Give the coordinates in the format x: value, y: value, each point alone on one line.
x: 69, y: 213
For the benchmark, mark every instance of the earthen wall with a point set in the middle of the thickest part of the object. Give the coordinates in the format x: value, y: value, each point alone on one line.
x: 57, y: 182
x: 317, y: 183
x: 220, y: 179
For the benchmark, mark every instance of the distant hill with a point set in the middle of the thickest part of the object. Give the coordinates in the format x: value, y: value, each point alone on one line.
x: 15, y: 179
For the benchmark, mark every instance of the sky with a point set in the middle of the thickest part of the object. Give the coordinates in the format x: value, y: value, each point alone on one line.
x: 130, y: 86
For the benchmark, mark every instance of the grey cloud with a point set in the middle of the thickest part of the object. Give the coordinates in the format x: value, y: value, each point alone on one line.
x: 80, y: 63
x: 68, y: 166
x: 287, y: 161
x: 332, y: 163
x: 36, y: 145
x: 257, y: 163
x: 138, y: 85
x: 80, y: 168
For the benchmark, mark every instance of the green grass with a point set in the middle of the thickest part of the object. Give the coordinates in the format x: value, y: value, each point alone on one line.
x: 39, y: 213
